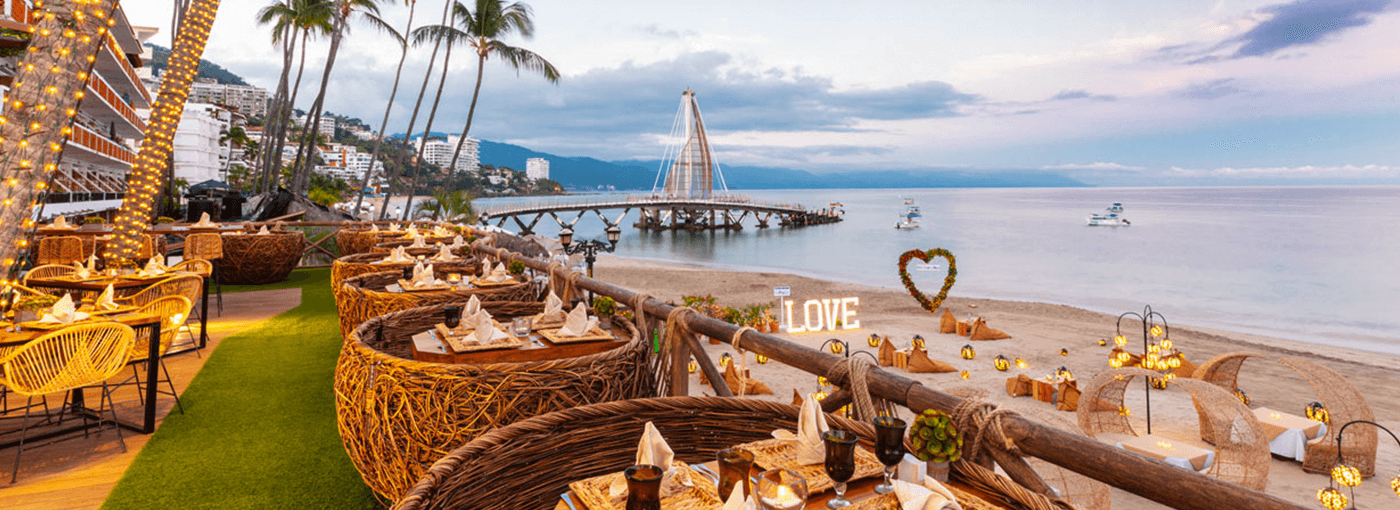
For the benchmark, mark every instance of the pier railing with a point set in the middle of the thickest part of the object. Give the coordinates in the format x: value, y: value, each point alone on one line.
x: 632, y: 200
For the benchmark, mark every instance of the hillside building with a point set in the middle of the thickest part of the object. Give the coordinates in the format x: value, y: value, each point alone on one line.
x: 247, y: 99
x: 537, y: 168
x: 439, y: 152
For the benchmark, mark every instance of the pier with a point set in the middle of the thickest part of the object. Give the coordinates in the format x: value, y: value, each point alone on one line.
x: 656, y: 212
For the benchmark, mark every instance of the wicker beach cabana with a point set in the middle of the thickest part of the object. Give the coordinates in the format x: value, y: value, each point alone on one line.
x: 397, y: 416
x: 527, y: 465
x: 1344, y: 404
x: 1223, y: 371
x: 361, y: 298
x: 1241, y: 448
x: 253, y: 259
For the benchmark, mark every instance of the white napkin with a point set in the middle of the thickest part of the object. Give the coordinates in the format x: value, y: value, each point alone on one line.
x: 485, y: 268
x: 473, y: 306
x: 485, y: 329
x: 64, y: 312
x: 423, y: 276
x: 929, y: 496
x: 553, y: 309
x: 811, y: 423
x: 578, y: 323
x: 204, y: 221
x: 652, y: 449
x: 498, y: 274
x: 444, y: 254
x: 263, y: 231
x: 736, y: 500
x: 92, y: 262
x: 82, y: 272
x: 154, y: 267
x: 441, y: 232
x: 106, y: 301
x: 393, y: 227
x: 374, y: 228
x: 458, y: 242
x: 418, y: 242
x: 60, y: 222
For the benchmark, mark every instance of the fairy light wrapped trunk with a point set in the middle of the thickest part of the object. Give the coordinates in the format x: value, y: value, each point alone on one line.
x: 48, y: 88
x: 147, y: 176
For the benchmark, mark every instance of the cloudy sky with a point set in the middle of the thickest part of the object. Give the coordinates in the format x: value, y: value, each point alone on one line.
x: 1107, y: 91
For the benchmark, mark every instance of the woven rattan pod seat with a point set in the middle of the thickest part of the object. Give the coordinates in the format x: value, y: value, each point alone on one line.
x: 1241, y: 448
x: 1222, y: 371
x: 397, y: 416
x: 1344, y: 404
x: 364, y: 297
x: 258, y: 259
x: 354, y: 242
x: 351, y: 266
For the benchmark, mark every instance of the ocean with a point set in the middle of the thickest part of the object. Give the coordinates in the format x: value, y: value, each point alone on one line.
x: 1313, y: 264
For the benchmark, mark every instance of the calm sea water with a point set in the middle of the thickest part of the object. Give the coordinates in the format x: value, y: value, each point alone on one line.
x: 1315, y: 264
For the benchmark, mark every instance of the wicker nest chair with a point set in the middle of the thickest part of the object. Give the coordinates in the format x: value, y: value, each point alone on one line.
x: 253, y: 259
x: 527, y: 465
x: 351, y: 266
x: 397, y: 416
x: 354, y: 242
x: 1223, y: 371
x: 364, y: 297
x: 1344, y: 403
x: 1241, y: 449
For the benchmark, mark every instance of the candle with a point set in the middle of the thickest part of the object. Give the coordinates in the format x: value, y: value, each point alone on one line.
x: 1164, y: 445
x: 1275, y: 416
x: 783, y: 498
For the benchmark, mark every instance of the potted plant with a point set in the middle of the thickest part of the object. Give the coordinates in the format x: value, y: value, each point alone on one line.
x: 516, y: 267
x: 93, y: 223
x: 935, y: 441
x: 604, y: 307
x: 27, y: 308
x: 770, y: 319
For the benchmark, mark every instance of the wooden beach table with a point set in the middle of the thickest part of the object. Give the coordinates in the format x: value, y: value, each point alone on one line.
x: 1288, y: 434
x: 1176, y: 453
x: 427, y: 347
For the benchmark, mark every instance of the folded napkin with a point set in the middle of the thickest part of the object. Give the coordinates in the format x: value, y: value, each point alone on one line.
x: 485, y: 328
x: 81, y: 272
x: 458, y: 242
x: 498, y: 274
x: 811, y: 423
x: 473, y: 306
x: 374, y: 228
x: 553, y: 309
x: 154, y: 267
x: 418, y: 242
x: 106, y: 301
x: 929, y: 496
x: 63, y: 312
x: 393, y: 227
x: 204, y: 221
x: 423, y: 276
x: 60, y: 222
x: 736, y: 500
x: 441, y: 232
x: 444, y: 254
x: 578, y: 323
x: 652, y: 449
x: 485, y: 268
x: 92, y: 262
x: 263, y: 231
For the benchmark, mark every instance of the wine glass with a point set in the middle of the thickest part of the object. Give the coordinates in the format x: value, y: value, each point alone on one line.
x: 452, y: 316
x: 840, y: 463
x: 780, y: 489
x: 889, y: 448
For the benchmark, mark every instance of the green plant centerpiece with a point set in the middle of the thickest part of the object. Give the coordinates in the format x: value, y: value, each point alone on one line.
x: 517, y: 267
x: 34, y: 303
x: 94, y: 220
x: 934, y: 439
x: 604, y: 307
x: 165, y: 220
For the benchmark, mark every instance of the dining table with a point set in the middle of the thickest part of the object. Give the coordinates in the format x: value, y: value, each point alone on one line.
x: 429, y: 346
x: 1176, y: 453
x: 15, y: 335
x: 1288, y: 434
x: 99, y: 283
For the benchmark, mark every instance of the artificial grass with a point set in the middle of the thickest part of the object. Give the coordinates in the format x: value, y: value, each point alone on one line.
x: 259, y: 429
x: 299, y: 278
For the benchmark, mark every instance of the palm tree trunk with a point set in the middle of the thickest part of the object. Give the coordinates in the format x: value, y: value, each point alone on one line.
x: 384, y: 124
x: 301, y: 177
x: 272, y: 127
x: 413, y: 119
x: 301, y: 68
x: 432, y: 113
x: 480, y: 66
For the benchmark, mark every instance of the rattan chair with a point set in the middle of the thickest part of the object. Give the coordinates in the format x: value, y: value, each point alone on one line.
x: 49, y: 271
x: 200, y: 267
x: 1241, y: 448
x: 208, y: 247
x: 65, y: 360
x: 60, y: 250
x: 1344, y: 404
x: 190, y: 286
x: 1222, y: 371
x: 173, y: 311
x: 151, y: 247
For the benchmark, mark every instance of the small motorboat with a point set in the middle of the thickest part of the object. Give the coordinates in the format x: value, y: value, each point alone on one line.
x: 910, y: 218
x: 1112, y: 216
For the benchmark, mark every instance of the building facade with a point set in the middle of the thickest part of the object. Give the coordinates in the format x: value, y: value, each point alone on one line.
x: 537, y: 168
x: 199, y: 156
x: 347, y: 163
x: 439, y: 152
x: 247, y: 99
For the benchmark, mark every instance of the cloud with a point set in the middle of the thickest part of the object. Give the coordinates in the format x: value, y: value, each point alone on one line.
x: 1066, y: 95
x: 1305, y: 22
x: 1213, y: 89
x: 656, y: 30
x: 1096, y: 166
x: 1295, y: 172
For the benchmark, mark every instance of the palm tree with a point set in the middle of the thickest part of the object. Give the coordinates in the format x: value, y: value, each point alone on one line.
x: 444, y: 34
x: 453, y: 206
x: 413, y: 119
x: 388, y: 107
x: 492, y: 21
x: 313, y: 18
x: 283, y: 16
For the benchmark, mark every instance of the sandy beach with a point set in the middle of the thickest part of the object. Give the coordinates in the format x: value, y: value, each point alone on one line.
x: 1038, y: 332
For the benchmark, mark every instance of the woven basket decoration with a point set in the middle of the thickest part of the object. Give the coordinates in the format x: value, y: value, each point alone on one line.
x: 258, y: 259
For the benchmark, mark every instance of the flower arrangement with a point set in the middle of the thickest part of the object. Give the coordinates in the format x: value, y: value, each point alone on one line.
x: 26, y: 303
x: 934, y: 438
x: 929, y: 304
x: 604, y: 306
x: 517, y: 267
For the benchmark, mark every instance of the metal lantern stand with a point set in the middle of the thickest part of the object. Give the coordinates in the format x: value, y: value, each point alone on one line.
x: 1148, y: 318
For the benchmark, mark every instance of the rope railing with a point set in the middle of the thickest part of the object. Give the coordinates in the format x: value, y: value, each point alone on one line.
x: 1136, y: 474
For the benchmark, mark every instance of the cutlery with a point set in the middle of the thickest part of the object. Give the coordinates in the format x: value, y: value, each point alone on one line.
x: 568, y: 501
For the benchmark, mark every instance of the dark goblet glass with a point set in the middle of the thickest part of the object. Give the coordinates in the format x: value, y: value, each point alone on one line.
x: 452, y: 316
x: 889, y: 448
x: 408, y: 272
x: 840, y: 463
x: 643, y: 487
x: 734, y: 467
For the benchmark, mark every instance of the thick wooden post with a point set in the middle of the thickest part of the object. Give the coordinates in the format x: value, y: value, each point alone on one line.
x: 680, y: 374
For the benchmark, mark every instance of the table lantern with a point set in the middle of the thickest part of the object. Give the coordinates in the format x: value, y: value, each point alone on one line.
x: 1120, y: 340
x: 1123, y: 411
x: 1020, y: 363
x: 1064, y: 373
x: 1064, y: 351
x: 1332, y: 499
x: 1002, y: 363
x: 1316, y: 412
x: 966, y: 375
x: 968, y: 352
x: 692, y: 366
x: 760, y: 358
x: 1102, y: 342
x: 819, y: 395
x: 874, y: 340
x: 1346, y: 476
x: 725, y: 359
x: 918, y: 342
x: 1395, y: 485
x: 821, y: 381
x: 1240, y: 394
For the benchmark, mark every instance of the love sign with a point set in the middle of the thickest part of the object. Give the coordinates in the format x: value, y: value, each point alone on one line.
x: 823, y: 315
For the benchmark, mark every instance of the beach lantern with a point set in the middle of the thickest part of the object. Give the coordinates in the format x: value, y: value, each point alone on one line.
x: 1064, y: 373
x: 968, y: 352
x: 821, y: 380
x: 761, y: 359
x: 1115, y: 363
x: 692, y: 366
x: 1166, y: 343
x: 1001, y: 363
x: 1120, y: 340
x: 1123, y: 411
x: 966, y: 375
x: 725, y: 359
x: 1020, y: 363
x: 918, y: 342
x: 1395, y: 485
x: 1332, y: 499
x: 1240, y: 394
x: 874, y: 340
x: 819, y: 395
x: 837, y: 347
x: 1346, y: 476
x: 1316, y: 412
x: 1102, y: 342
x: 1156, y: 331
x: 1160, y: 382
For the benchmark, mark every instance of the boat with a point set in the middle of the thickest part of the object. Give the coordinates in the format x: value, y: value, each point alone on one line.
x: 909, y: 219
x: 1112, y: 216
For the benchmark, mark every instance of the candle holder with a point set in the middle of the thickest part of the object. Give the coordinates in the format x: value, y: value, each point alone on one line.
x: 781, y: 489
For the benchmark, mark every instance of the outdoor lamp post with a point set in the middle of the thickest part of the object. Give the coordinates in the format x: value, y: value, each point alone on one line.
x: 1152, y: 359
x: 1348, y: 476
x: 591, y: 247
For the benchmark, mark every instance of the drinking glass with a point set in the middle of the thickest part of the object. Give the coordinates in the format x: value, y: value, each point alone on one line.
x: 840, y: 463
x: 643, y: 487
x: 734, y: 466
x: 452, y: 316
x: 521, y: 326
x: 781, y: 489
x: 408, y: 272
x: 889, y: 448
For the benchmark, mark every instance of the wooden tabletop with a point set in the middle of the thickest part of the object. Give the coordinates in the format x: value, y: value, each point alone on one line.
x: 1275, y: 423
x: 428, y: 348
x: 47, y: 231
x: 1161, y: 448
x: 16, y: 338
x: 100, y: 283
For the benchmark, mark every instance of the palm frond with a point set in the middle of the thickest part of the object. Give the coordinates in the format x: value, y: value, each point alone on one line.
x: 380, y: 25
x: 521, y: 58
x: 448, y: 34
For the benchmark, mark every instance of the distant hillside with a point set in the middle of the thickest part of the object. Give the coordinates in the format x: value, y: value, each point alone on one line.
x: 207, y: 69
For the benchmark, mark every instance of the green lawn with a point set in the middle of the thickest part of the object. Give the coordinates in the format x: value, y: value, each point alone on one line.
x: 260, y: 425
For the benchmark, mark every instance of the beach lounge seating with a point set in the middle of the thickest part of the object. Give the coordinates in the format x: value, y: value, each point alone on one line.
x: 1344, y: 403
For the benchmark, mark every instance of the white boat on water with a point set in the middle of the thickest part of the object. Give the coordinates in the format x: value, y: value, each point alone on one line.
x: 910, y: 218
x: 1110, y: 217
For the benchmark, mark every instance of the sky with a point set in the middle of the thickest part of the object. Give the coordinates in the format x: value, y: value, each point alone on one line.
x: 1110, y: 92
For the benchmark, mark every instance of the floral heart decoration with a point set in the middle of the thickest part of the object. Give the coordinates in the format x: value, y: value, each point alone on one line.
x: 929, y: 304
